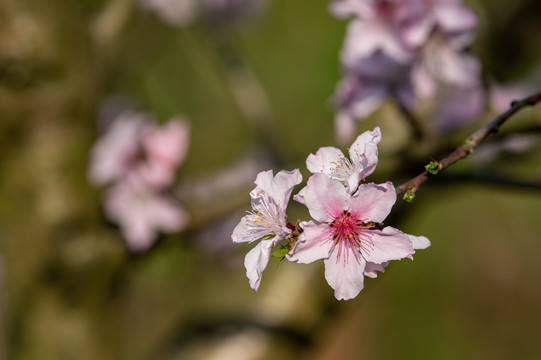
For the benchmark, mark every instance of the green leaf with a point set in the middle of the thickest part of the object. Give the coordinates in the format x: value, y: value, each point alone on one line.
x: 281, y: 252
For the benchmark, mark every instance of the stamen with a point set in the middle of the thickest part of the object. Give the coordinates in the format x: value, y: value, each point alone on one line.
x: 350, y: 234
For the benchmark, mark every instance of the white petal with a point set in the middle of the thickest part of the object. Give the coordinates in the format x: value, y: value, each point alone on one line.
x: 324, y: 160
x: 371, y: 269
x: 419, y: 242
x: 256, y: 261
x: 364, y: 153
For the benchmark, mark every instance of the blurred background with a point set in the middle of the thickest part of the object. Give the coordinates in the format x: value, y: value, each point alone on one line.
x: 256, y: 88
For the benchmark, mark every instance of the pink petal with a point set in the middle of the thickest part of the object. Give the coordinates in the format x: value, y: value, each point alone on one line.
x: 460, y: 69
x: 455, y: 18
x: 387, y: 244
x: 373, y: 202
x: 345, y: 274
x: 110, y: 156
x: 168, y: 143
x: 423, y: 80
x: 325, y: 198
x: 141, y: 212
x: 314, y: 243
x: 256, y: 261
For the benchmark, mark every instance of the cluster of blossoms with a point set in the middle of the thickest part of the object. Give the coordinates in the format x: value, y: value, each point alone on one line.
x: 346, y: 232
x: 408, y: 50
x: 137, y: 159
x: 182, y: 13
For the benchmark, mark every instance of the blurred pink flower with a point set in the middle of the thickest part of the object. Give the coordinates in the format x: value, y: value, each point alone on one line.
x: 347, y: 233
x: 182, y: 13
x: 115, y: 152
x: 137, y: 158
x: 267, y: 221
x: 442, y: 61
x: 165, y: 148
x: 142, y: 212
x: 179, y: 13
x: 368, y: 82
x: 406, y: 50
x: 363, y: 159
x: 135, y: 144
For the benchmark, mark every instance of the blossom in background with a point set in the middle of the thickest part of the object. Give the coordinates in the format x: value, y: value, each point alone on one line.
x: 179, y: 13
x: 366, y: 84
x: 134, y: 143
x: 406, y: 50
x: 346, y: 233
x: 137, y: 159
x: 363, y: 159
x: 182, y: 13
x: 142, y: 212
x: 114, y: 154
x: 267, y: 221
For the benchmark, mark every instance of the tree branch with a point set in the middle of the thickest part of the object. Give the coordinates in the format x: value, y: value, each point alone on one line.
x: 470, y: 144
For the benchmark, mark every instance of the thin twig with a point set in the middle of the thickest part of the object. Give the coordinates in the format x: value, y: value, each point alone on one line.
x: 471, y: 143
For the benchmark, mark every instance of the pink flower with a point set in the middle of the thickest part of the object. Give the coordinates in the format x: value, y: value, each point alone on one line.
x: 183, y: 13
x: 379, y: 25
x: 267, y: 221
x: 363, y: 159
x: 136, y: 144
x: 179, y: 13
x: 366, y: 84
x: 347, y: 233
x: 115, y: 152
x: 138, y: 159
x: 442, y: 61
x: 165, y: 148
x: 141, y: 212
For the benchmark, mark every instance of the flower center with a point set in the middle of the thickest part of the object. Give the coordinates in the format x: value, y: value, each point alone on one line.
x: 350, y: 233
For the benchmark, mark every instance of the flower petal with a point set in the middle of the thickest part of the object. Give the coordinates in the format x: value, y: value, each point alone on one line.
x: 278, y: 187
x: 371, y: 269
x: 315, y: 243
x: 325, y: 198
x: 345, y: 274
x: 324, y: 160
x: 364, y: 152
x: 283, y: 184
x: 385, y: 245
x: 419, y: 242
x: 256, y: 261
x: 373, y: 202
x: 299, y: 197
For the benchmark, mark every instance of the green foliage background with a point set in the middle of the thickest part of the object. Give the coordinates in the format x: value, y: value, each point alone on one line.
x: 70, y: 290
